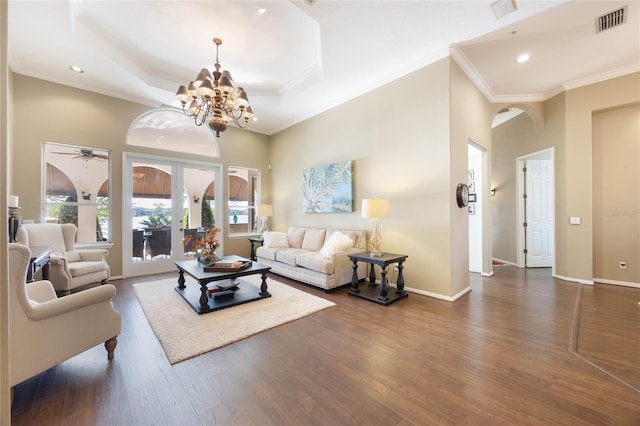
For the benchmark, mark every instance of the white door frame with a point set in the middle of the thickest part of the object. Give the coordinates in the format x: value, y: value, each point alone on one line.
x: 520, y: 230
x: 129, y: 268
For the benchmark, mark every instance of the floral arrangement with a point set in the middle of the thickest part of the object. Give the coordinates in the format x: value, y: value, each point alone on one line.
x: 205, y: 248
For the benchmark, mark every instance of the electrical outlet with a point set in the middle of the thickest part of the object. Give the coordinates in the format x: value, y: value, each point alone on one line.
x: 622, y: 264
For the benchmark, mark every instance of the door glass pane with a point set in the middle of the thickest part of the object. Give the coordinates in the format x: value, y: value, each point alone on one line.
x: 198, y: 205
x: 151, y: 218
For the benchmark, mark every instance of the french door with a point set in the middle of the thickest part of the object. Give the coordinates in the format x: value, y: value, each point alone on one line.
x: 164, y: 201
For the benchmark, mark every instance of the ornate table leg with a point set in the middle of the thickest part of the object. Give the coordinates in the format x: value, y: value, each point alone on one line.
x: 204, y: 300
x: 263, y: 286
x: 384, y: 286
x: 354, y: 277
x: 372, y: 275
x: 181, y: 280
x: 252, y: 255
x: 400, y: 289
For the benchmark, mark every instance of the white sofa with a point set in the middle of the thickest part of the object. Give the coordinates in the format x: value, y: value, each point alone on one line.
x: 316, y: 256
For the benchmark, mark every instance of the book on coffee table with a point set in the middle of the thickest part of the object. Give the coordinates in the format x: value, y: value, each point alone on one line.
x: 228, y: 266
x: 221, y: 286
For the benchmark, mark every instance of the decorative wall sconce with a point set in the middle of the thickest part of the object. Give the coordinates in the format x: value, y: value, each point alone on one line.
x: 493, y: 192
x: 86, y: 196
x: 196, y: 199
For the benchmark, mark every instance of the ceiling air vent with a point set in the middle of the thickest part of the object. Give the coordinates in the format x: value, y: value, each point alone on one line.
x: 611, y: 19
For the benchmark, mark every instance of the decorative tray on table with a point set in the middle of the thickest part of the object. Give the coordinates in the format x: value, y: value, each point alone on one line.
x: 228, y: 266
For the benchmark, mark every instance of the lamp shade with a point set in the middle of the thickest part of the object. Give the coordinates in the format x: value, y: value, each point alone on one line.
x: 264, y: 210
x: 375, y: 208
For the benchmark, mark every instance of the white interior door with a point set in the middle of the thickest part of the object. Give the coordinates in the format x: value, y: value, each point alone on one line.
x: 539, y: 210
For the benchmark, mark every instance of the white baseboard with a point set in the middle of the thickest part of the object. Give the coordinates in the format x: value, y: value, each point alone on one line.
x: 506, y: 262
x: 573, y: 280
x: 487, y: 274
x: 614, y: 282
x: 430, y: 294
x: 439, y: 296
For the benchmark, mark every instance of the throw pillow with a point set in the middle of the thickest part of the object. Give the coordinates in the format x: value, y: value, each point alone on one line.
x: 313, y: 239
x: 274, y: 239
x: 336, y: 243
x: 295, y: 235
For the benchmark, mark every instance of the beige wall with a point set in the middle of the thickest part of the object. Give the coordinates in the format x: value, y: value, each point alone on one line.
x: 616, y: 194
x: 576, y: 242
x: 72, y: 116
x: 398, y: 137
x: 471, y: 117
x: 566, y: 126
x: 515, y: 138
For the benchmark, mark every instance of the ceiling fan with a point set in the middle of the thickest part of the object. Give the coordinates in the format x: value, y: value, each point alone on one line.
x: 85, y: 154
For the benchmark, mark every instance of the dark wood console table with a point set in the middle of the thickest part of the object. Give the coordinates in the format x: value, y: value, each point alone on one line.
x: 370, y: 291
x: 40, y: 257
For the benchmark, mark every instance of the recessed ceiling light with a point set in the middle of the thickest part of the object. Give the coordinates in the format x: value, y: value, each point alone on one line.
x: 523, y: 58
x: 262, y: 10
x: 76, y: 68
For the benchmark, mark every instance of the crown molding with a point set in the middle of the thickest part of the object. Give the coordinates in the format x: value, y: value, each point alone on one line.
x: 482, y: 85
x: 597, y: 78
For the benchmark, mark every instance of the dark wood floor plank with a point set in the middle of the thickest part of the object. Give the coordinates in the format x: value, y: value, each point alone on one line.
x: 500, y: 356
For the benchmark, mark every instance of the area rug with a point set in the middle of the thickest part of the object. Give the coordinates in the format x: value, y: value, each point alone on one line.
x: 184, y: 334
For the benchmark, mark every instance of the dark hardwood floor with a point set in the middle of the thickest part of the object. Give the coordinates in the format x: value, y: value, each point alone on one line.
x: 520, y: 349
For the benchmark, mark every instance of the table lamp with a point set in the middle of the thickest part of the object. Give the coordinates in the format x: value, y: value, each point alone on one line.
x: 375, y: 209
x: 264, y: 211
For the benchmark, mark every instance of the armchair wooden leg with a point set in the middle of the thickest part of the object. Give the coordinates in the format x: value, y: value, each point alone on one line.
x: 110, y: 345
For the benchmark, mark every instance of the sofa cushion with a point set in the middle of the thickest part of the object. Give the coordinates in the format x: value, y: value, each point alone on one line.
x: 267, y: 253
x: 275, y: 240
x: 289, y: 255
x: 313, y: 239
x: 295, y: 236
x: 316, y: 261
x: 337, y: 242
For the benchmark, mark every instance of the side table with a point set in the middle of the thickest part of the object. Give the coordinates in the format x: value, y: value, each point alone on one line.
x: 371, y: 292
x: 40, y: 257
x: 254, y: 241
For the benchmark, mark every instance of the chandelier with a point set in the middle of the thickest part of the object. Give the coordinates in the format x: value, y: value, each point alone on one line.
x: 215, y: 98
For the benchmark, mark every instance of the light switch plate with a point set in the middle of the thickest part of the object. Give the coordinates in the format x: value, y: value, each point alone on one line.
x: 574, y: 220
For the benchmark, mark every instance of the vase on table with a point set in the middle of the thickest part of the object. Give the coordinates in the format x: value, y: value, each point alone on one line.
x: 207, y: 259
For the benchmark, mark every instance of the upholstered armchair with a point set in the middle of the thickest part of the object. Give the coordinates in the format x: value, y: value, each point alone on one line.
x: 45, y: 330
x: 69, y: 268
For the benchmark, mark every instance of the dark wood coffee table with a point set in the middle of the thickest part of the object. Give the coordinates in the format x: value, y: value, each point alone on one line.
x: 203, y: 301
